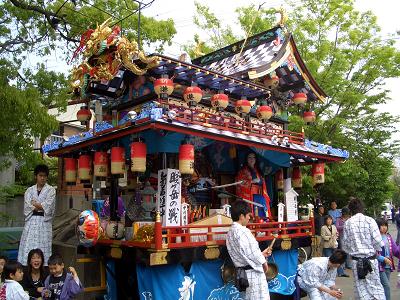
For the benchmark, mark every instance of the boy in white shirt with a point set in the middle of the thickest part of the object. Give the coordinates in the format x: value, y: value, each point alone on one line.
x: 11, y: 289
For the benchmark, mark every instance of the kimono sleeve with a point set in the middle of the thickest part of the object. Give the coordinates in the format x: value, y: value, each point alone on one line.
x: 251, y: 250
x: 311, y: 275
x: 49, y: 204
x: 346, y: 239
x: 377, y: 241
x: 331, y: 278
x: 28, y: 207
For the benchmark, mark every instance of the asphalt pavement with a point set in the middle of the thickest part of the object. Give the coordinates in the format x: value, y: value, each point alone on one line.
x: 346, y: 284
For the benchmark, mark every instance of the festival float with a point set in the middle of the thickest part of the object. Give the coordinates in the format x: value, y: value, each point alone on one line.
x: 173, y: 144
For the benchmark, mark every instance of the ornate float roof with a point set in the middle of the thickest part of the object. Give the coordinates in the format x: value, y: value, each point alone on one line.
x: 268, y: 52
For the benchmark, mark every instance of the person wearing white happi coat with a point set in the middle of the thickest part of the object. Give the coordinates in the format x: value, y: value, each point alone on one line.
x: 244, y: 251
x: 362, y: 239
x: 317, y: 276
x: 39, y: 207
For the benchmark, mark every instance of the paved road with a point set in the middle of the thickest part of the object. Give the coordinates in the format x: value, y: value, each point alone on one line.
x: 346, y: 284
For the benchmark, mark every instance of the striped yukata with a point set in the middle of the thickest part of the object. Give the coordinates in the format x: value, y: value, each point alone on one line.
x: 361, y: 239
x: 315, y: 273
x: 37, y: 231
x: 244, y: 250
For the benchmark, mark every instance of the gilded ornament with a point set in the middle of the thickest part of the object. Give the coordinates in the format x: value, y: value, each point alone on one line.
x: 286, y: 244
x: 212, y: 253
x: 158, y: 258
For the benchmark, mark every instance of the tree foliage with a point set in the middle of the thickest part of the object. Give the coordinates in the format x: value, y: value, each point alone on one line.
x: 348, y: 58
x: 24, y: 110
x: 45, y: 25
x: 39, y: 28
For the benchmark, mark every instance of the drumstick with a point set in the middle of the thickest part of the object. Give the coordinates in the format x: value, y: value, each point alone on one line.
x: 273, y: 242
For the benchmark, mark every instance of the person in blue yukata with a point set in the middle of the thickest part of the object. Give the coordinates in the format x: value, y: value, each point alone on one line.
x: 334, y: 212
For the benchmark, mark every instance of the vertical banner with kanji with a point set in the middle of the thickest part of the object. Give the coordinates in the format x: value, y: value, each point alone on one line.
x: 169, y: 196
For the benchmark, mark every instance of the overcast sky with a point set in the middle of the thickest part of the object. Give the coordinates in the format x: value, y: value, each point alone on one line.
x: 182, y: 13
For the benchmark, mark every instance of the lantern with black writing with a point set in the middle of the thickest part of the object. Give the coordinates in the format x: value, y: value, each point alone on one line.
x: 100, y: 165
x: 219, y: 101
x: 138, y: 156
x: 70, y: 170
x: 318, y: 173
x: 118, y: 161
x: 192, y: 95
x: 186, y: 159
x: 264, y: 112
x: 242, y: 107
x: 164, y: 87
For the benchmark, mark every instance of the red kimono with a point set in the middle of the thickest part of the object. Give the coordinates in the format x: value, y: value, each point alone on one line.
x: 248, y: 189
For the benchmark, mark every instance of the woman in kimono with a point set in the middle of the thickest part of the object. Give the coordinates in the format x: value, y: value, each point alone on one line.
x: 39, y: 207
x: 253, y: 187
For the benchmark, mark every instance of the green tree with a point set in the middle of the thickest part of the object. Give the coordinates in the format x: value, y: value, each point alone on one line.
x: 24, y: 110
x: 346, y: 55
x: 45, y: 25
x: 39, y: 27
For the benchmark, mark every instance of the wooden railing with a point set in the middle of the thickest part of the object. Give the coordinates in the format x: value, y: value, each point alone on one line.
x: 191, y: 236
x: 234, y: 124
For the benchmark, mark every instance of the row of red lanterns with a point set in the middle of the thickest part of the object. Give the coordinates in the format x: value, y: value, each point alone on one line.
x: 317, y: 173
x: 138, y: 162
x: 193, y: 95
x: 101, y: 163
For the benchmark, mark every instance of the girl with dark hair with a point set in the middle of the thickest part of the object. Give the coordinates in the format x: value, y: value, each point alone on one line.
x: 385, y: 256
x: 39, y: 207
x: 35, y: 275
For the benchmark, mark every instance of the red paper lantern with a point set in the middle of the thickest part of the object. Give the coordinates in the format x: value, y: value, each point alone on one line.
x: 138, y: 157
x: 186, y: 159
x: 84, y: 115
x: 243, y: 106
x: 297, y: 180
x: 279, y: 179
x: 163, y: 87
x: 299, y: 98
x: 318, y: 173
x: 219, y: 101
x: 84, y: 168
x: 309, y: 116
x: 192, y: 95
x: 70, y: 170
x: 264, y: 112
x: 100, y: 164
x: 118, y: 161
